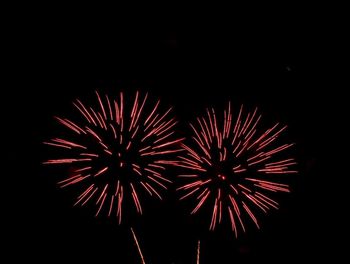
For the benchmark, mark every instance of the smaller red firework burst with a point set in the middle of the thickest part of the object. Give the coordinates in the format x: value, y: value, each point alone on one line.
x: 234, y: 166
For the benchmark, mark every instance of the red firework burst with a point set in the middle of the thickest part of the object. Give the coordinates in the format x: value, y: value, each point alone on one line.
x: 116, y: 151
x: 234, y: 165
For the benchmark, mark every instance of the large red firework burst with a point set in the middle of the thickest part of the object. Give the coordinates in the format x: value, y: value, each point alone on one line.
x: 116, y: 151
x: 234, y: 166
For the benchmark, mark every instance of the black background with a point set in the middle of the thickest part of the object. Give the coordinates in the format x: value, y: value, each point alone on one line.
x: 279, y: 61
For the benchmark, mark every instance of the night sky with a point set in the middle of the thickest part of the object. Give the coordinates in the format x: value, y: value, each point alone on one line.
x: 276, y: 62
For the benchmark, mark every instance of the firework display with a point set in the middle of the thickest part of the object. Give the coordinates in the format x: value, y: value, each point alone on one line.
x: 235, y: 166
x: 117, y: 151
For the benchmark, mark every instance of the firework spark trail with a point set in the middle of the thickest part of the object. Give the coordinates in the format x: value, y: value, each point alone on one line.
x: 198, y: 251
x: 117, y: 151
x: 138, y: 246
x: 234, y: 166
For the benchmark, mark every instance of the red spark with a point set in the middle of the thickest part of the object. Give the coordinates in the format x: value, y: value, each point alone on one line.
x: 120, y: 152
x: 235, y: 167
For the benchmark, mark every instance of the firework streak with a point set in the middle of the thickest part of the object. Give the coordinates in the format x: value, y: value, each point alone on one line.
x: 117, y: 151
x: 234, y: 166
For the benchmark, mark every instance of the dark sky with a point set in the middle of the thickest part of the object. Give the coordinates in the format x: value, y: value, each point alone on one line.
x: 274, y: 61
